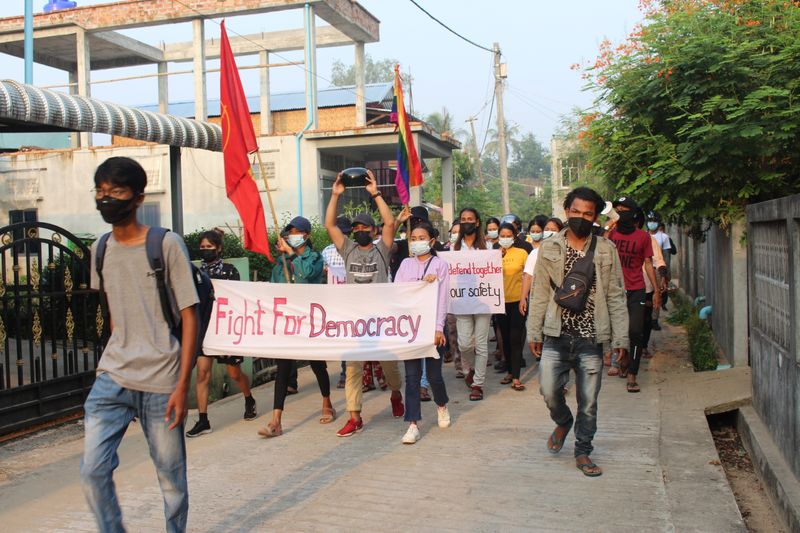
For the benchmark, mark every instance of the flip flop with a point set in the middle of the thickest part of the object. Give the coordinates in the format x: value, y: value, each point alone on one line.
x: 585, y: 467
x: 555, y: 442
x: 270, y: 431
x: 633, y: 387
x: 519, y: 387
x: 506, y: 380
x: 328, y: 416
x: 613, y: 371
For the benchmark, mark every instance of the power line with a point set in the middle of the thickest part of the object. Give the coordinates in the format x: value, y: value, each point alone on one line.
x: 448, y: 28
x: 488, y: 123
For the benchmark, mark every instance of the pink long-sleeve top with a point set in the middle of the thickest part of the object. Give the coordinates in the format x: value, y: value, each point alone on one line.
x: 412, y: 269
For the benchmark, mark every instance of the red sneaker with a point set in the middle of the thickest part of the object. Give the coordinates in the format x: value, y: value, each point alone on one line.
x: 470, y: 378
x: 397, y: 406
x: 352, y: 426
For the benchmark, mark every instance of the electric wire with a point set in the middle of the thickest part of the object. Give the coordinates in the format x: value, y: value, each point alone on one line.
x: 448, y: 28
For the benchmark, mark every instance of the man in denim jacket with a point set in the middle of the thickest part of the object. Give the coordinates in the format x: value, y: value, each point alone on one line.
x: 569, y: 340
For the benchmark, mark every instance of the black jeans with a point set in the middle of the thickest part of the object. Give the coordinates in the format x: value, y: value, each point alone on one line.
x: 637, y: 308
x: 648, y: 318
x: 285, y: 367
x: 512, y: 329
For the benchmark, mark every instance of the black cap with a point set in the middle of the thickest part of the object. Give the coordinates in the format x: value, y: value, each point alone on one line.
x: 625, y: 201
x: 344, y: 224
x: 363, y: 218
x: 419, y: 212
x: 300, y: 223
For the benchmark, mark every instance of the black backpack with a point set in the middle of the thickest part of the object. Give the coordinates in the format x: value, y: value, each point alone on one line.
x: 155, y: 256
x: 574, y: 291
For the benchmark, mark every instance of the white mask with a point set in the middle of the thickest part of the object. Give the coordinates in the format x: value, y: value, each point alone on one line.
x: 536, y: 236
x: 419, y: 248
x: 548, y: 234
x: 492, y: 233
x: 453, y: 238
x: 295, y: 241
x: 505, y: 242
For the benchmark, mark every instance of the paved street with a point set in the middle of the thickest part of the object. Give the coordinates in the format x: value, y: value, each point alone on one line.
x: 490, y: 471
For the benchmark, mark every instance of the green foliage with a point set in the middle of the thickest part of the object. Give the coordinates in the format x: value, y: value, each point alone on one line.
x: 702, y: 345
x: 374, y: 72
x: 698, y: 112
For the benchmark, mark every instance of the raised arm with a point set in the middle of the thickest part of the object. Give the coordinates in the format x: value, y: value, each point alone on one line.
x: 386, y: 214
x: 337, y: 237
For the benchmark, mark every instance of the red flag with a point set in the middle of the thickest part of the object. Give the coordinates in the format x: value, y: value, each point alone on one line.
x: 239, y: 140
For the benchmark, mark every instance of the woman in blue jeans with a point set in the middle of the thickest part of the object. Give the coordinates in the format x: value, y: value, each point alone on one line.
x: 424, y: 265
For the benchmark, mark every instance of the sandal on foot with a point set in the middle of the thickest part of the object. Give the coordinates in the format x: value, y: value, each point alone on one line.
x: 367, y: 388
x: 424, y: 395
x: 328, y: 416
x: 518, y: 386
x: 290, y: 391
x: 613, y: 371
x: 587, y: 468
x: 633, y: 387
x: 506, y: 380
x: 553, y: 444
x: 476, y: 394
x: 623, y: 373
x: 270, y: 431
x: 459, y: 374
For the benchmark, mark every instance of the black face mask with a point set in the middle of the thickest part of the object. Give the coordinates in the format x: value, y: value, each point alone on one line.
x: 209, y: 255
x: 579, y: 226
x: 468, y: 228
x: 627, y: 222
x: 114, y: 210
x: 362, y: 238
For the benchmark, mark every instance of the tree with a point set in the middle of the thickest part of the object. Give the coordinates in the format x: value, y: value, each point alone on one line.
x: 374, y: 72
x: 697, y: 113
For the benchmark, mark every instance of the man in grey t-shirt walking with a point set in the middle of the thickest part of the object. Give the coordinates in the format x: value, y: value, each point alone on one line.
x: 364, y: 262
x: 144, y: 372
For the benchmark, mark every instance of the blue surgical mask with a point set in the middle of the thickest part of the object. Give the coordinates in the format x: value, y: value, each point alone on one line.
x: 420, y: 248
x: 453, y: 238
x: 505, y: 242
x: 652, y: 226
x: 536, y: 236
x: 295, y: 241
x: 547, y: 234
x: 492, y: 233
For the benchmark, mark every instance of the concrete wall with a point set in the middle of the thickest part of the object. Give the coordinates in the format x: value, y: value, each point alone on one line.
x: 774, y: 249
x: 716, y: 269
x: 58, y: 184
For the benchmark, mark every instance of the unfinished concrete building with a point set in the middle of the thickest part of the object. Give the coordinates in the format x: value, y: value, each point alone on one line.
x: 304, y: 137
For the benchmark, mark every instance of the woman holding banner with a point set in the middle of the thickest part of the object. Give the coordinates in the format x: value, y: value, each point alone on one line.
x: 473, y: 330
x: 305, y: 265
x: 512, y: 323
x: 424, y: 265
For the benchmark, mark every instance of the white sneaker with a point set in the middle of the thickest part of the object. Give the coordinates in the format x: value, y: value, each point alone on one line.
x: 412, y: 435
x: 444, y: 417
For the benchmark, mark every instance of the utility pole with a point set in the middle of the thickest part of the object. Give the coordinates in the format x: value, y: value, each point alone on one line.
x: 500, y: 73
x: 471, y: 121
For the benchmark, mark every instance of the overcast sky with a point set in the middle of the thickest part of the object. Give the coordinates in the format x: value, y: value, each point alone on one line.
x: 540, y: 39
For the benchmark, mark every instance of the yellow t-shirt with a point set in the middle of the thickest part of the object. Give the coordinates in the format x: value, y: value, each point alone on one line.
x: 513, y: 264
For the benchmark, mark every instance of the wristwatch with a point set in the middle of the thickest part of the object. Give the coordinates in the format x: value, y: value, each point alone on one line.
x: 373, y: 196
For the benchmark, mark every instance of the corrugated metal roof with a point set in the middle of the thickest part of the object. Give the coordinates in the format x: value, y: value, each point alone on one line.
x: 375, y: 95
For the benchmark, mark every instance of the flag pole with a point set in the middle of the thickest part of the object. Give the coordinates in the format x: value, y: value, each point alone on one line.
x: 408, y: 233
x: 274, y: 214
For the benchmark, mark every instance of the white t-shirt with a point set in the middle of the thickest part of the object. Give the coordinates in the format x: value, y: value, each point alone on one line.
x: 662, y: 239
x: 530, y: 263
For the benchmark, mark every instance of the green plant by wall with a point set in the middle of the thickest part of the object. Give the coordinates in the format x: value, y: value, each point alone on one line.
x: 702, y: 345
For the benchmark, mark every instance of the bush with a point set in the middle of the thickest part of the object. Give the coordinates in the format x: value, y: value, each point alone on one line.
x: 683, y: 309
x: 702, y: 345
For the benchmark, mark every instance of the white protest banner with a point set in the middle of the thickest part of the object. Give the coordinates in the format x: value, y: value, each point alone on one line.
x: 337, y: 275
x: 476, y: 282
x: 374, y: 322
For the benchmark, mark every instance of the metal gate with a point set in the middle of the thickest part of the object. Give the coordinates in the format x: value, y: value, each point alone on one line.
x: 51, y: 325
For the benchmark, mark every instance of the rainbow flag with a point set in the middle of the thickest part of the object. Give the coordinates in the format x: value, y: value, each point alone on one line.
x: 409, y: 170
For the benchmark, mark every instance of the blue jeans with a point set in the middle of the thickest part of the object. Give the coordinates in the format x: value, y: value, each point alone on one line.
x: 559, y: 355
x: 109, y: 409
x: 413, y: 376
x: 423, y: 382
